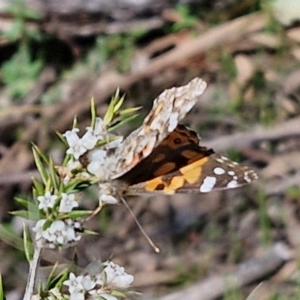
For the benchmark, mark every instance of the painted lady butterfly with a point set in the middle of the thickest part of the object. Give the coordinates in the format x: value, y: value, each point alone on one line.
x: 165, y: 156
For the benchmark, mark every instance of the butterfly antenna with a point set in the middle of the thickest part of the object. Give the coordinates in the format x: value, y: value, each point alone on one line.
x: 155, y: 248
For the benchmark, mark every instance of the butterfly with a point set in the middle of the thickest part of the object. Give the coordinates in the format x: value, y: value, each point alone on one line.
x: 167, y: 157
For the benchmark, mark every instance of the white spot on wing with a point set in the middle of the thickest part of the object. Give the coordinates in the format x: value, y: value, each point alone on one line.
x: 224, y: 158
x: 208, y: 184
x: 247, y: 178
x: 219, y: 171
x: 232, y: 184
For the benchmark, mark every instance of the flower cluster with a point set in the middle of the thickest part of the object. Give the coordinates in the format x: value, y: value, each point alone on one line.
x: 98, y: 161
x: 103, y: 285
x: 59, y: 233
x: 52, y: 232
x: 67, y: 202
x: 77, y: 145
x: 88, y: 160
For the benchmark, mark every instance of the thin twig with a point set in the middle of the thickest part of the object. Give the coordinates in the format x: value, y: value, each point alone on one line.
x: 32, y: 273
x: 251, y: 271
x: 245, y: 140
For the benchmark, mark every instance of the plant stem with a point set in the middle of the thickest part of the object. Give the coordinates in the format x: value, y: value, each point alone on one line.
x: 32, y: 273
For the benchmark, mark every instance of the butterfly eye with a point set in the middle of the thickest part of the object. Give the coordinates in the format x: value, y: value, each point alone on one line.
x: 177, y: 141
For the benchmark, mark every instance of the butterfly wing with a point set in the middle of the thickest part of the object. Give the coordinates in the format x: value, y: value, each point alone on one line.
x: 180, y: 148
x: 168, y: 109
x: 213, y: 172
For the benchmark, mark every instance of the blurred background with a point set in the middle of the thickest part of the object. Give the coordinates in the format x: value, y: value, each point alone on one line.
x: 56, y: 55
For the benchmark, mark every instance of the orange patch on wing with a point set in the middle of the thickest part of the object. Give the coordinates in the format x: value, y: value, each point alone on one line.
x: 192, y: 172
x: 188, y: 153
x: 158, y: 158
x: 176, y: 183
x: 157, y: 184
x: 134, y: 161
x: 157, y: 111
x: 152, y: 185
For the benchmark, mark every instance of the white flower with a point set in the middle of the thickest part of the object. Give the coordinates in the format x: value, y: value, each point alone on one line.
x: 74, y: 224
x: 99, y: 279
x: 73, y: 165
x: 56, y: 233
x: 98, y: 155
x: 99, y: 126
x: 100, y: 285
x: 115, y: 276
x: 66, y: 172
x: 59, y: 233
x: 99, y: 129
x: 55, y: 294
x: 89, y: 141
x: 79, y: 285
x: 38, y: 229
x: 67, y: 203
x: 97, y: 160
x: 88, y: 283
x: 71, y: 234
x: 114, y: 144
x: 46, y: 201
x: 94, y: 166
x: 74, y: 283
x: 107, y: 199
x: 77, y: 296
x: 76, y: 145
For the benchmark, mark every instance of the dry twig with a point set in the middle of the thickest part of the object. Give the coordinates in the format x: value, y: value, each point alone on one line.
x: 251, y: 271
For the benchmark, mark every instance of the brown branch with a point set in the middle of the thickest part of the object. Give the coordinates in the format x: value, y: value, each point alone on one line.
x: 287, y: 129
x: 280, y: 186
x: 251, y: 271
x: 107, y: 83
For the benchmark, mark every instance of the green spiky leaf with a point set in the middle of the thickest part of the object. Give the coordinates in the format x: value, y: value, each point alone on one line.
x: 122, y: 122
x: 76, y: 214
x: 2, y: 297
x: 27, y: 244
x: 10, y: 238
x: 39, y: 158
